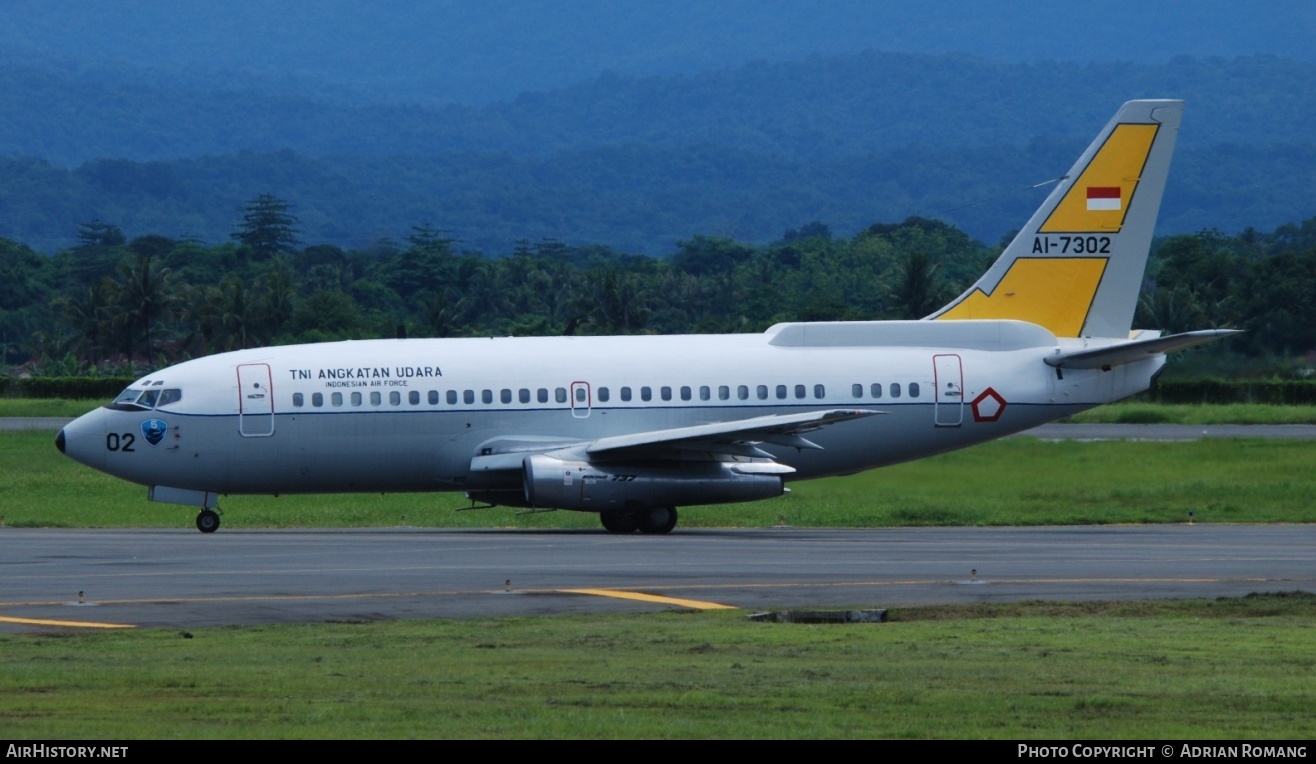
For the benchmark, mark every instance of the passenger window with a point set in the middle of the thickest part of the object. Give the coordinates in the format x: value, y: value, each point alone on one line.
x: 523, y: 395
x: 298, y: 400
x: 704, y: 393
x: 876, y: 390
x: 646, y: 394
x: 452, y: 397
x: 781, y: 392
x: 560, y: 394
x: 580, y: 395
x: 317, y: 400
x: 819, y: 392
x: 394, y: 398
x: 626, y: 393
x: 799, y: 391
x: 857, y: 390
x: 336, y: 399
x: 603, y: 395
x: 762, y: 392
x: 542, y: 394
x: 742, y: 392
x: 913, y: 389
x: 665, y: 393
x: 486, y: 396
x: 413, y: 397
x: 895, y: 389
x: 376, y: 398
x: 468, y: 397
x: 685, y: 392
x: 433, y: 397
x: 356, y: 399
x: 172, y: 395
x: 505, y: 395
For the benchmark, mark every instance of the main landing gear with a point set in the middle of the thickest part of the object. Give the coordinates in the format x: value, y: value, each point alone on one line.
x: 207, y: 521
x: 656, y: 520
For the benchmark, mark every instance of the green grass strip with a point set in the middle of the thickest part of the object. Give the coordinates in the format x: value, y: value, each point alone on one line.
x: 1017, y: 481
x: 1227, y: 669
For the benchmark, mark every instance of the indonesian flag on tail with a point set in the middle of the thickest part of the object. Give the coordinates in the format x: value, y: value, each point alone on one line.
x: 1103, y: 198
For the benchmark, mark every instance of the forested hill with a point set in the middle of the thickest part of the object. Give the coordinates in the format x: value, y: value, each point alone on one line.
x: 815, y: 109
x: 638, y: 163
x: 634, y: 198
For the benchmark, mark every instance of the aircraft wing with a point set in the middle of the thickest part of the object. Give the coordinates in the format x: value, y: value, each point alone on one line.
x: 1128, y: 352
x: 738, y: 437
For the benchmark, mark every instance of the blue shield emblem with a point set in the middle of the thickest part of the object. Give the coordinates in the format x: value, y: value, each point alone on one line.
x: 154, y: 431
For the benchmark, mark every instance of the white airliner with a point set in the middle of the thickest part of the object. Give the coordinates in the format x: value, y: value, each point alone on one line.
x: 633, y: 427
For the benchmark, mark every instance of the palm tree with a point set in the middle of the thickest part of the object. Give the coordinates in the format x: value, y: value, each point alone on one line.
x: 87, y: 313
x: 237, y: 314
x: 142, y: 295
x: 918, y: 289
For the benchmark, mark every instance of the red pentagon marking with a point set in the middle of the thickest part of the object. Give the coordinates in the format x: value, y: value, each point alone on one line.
x: 988, y: 407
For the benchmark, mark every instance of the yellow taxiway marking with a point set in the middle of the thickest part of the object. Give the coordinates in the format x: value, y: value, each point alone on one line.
x: 621, y: 595
x: 73, y: 624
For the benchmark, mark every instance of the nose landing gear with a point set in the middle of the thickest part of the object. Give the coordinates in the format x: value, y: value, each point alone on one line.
x: 207, y: 521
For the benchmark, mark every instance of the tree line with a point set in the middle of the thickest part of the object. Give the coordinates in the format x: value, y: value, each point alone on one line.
x: 112, y: 304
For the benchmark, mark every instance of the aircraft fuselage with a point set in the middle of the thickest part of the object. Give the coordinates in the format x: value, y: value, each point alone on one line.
x: 410, y: 415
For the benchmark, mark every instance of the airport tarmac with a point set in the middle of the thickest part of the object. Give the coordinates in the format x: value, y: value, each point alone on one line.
x: 55, y: 578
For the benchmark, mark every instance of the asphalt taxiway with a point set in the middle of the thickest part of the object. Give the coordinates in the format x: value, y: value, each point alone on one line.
x: 55, y: 579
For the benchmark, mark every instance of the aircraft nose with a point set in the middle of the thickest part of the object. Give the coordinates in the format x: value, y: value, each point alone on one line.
x: 83, y: 439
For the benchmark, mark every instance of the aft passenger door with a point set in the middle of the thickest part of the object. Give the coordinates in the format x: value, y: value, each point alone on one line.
x: 255, y: 401
x: 948, y: 377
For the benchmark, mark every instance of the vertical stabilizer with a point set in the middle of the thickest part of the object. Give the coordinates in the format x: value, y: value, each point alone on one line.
x: 1077, y: 267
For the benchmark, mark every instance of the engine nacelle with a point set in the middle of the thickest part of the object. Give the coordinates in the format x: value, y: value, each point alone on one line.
x: 559, y: 484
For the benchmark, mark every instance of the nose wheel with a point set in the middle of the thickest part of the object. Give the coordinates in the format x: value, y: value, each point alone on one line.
x: 207, y: 521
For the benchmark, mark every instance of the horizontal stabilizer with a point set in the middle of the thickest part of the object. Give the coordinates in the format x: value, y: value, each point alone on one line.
x: 1128, y: 352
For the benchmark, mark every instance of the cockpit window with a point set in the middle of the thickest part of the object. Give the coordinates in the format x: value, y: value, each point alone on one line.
x: 133, y: 399
x: 128, y: 396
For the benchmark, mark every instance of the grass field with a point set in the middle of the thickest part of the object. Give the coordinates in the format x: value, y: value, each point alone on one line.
x: 1017, y: 481
x: 1224, y: 669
